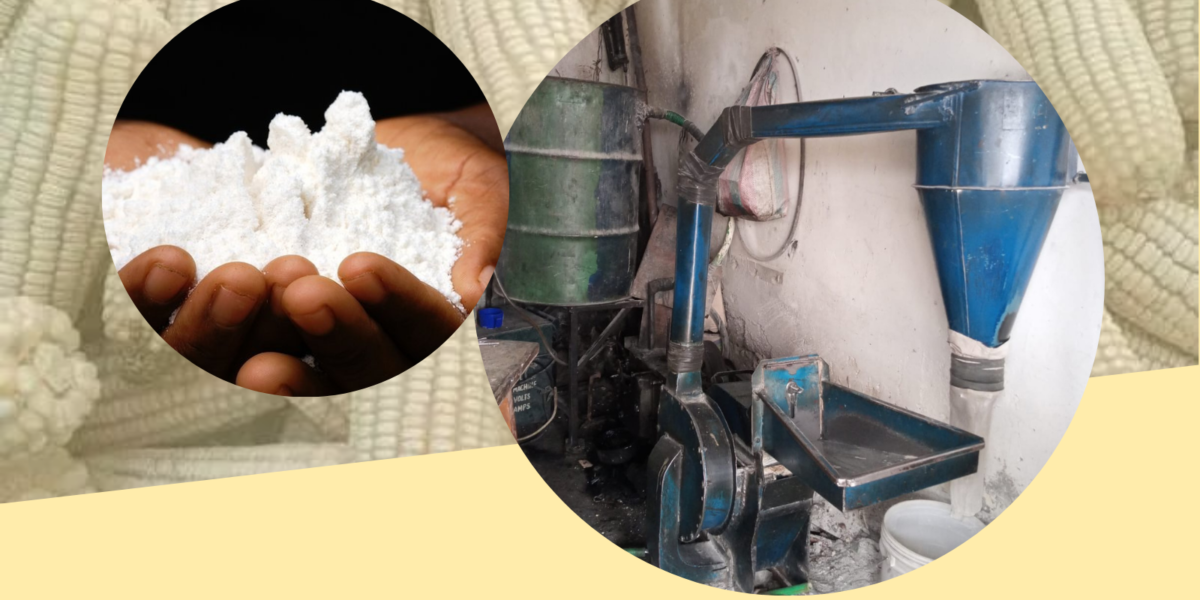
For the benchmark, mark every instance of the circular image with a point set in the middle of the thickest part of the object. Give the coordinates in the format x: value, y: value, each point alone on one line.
x: 304, y: 198
x: 795, y: 297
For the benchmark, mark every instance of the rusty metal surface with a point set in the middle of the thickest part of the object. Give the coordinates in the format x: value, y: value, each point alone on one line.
x: 505, y: 362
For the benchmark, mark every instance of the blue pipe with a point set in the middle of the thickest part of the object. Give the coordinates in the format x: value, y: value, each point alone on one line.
x: 698, y: 173
x: 691, y: 284
x: 852, y: 116
x: 993, y: 160
x: 737, y: 128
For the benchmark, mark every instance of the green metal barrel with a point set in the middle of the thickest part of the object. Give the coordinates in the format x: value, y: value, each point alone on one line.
x: 574, y: 168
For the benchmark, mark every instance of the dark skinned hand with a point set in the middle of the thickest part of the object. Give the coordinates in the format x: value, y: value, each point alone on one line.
x: 250, y: 326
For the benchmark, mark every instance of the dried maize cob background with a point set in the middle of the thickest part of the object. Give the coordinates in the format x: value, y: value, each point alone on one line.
x: 91, y: 399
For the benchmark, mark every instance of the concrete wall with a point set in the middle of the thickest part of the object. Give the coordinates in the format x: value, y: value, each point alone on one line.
x: 861, y: 289
x: 588, y: 61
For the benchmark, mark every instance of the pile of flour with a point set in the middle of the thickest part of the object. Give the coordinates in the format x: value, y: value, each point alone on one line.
x: 323, y: 196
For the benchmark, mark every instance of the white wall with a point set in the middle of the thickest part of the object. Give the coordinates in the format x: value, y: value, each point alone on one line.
x: 588, y: 61
x: 861, y: 289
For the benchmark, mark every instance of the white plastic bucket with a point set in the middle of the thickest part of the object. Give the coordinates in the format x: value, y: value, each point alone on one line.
x: 918, y: 532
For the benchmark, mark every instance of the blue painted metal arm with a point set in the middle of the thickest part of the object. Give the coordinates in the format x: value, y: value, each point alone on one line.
x: 852, y: 116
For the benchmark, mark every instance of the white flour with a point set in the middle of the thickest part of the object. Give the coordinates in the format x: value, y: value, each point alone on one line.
x: 322, y: 196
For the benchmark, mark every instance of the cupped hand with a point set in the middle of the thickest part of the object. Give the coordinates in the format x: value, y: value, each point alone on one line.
x: 212, y: 321
x: 250, y: 326
x: 210, y: 324
x: 459, y: 159
x: 379, y: 322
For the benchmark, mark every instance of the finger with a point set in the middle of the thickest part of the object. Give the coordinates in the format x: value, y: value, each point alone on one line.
x: 282, y: 375
x: 273, y: 330
x: 351, y: 349
x: 416, y: 317
x: 157, y: 281
x: 215, y: 319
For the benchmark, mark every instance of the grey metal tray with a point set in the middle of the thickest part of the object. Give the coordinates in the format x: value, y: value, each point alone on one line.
x: 852, y: 449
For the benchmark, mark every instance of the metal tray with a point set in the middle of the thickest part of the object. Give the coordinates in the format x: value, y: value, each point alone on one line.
x: 852, y: 449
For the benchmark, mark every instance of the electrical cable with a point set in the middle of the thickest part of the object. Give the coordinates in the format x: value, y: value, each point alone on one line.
x: 791, y: 237
x: 725, y: 245
x: 539, y: 430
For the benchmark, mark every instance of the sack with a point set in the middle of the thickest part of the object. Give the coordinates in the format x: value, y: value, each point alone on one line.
x: 754, y: 185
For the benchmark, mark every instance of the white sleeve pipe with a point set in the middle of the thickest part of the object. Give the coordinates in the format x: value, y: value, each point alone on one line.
x: 977, y: 382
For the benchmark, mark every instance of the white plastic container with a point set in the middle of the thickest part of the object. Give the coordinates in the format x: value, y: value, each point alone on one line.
x: 918, y: 532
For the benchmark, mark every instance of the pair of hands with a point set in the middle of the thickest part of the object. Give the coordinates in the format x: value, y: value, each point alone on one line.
x: 250, y: 326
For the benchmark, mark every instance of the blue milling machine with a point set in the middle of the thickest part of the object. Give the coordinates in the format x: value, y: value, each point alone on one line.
x: 993, y: 160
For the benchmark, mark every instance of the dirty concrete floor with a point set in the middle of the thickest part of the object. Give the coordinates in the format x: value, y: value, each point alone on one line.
x: 610, y: 500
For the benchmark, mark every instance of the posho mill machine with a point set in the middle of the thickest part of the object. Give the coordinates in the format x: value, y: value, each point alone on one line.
x: 993, y: 160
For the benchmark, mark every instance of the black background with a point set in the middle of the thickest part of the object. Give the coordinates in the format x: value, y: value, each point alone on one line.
x: 236, y: 68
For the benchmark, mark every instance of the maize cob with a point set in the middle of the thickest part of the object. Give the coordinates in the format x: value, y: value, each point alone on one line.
x: 1171, y: 28
x: 144, y: 467
x: 1151, y: 351
x: 442, y: 404
x: 182, y: 13
x: 65, y: 70
x: 508, y: 45
x: 330, y: 416
x: 10, y: 13
x: 160, y: 5
x: 89, y: 321
x: 127, y: 366
x: 122, y: 321
x: 182, y: 406
x: 603, y: 10
x: 47, y: 386
x: 297, y: 428
x: 1093, y: 61
x: 417, y: 10
x: 1150, y: 253
x: 1114, y: 355
x: 1150, y: 260
x: 383, y: 415
x: 263, y: 429
x: 48, y: 474
x: 132, y: 352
